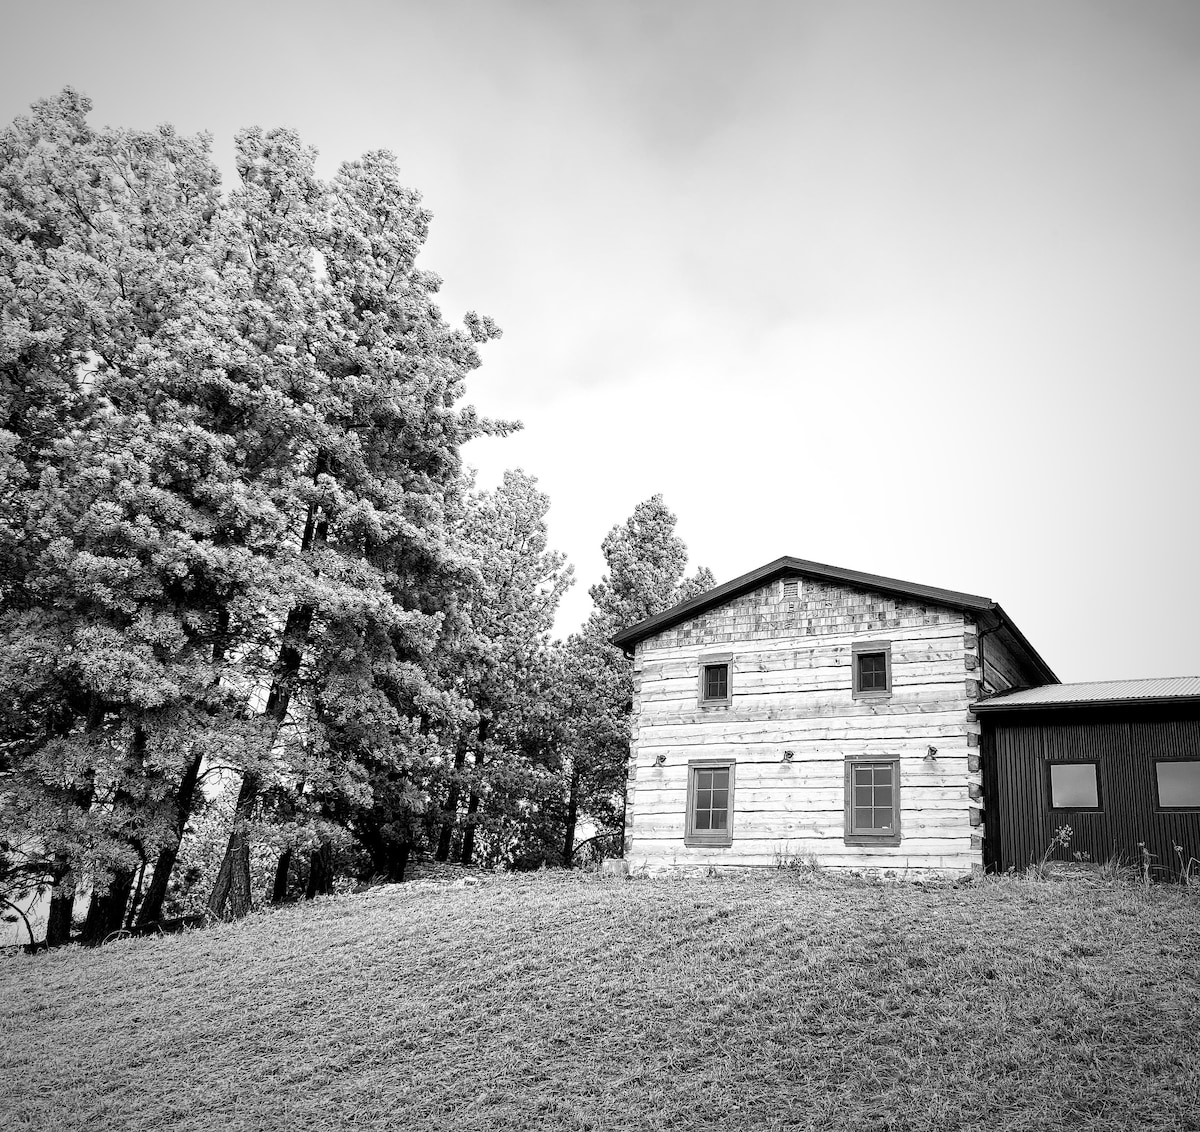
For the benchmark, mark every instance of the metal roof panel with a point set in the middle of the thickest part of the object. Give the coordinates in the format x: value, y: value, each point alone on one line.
x: 1093, y: 693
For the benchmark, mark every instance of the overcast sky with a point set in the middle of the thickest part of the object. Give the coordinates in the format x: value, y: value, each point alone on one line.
x: 910, y: 288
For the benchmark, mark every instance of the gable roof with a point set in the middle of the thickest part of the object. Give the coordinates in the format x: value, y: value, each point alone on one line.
x: 990, y: 614
x: 1097, y: 693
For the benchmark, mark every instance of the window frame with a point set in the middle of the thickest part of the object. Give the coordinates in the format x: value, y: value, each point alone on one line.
x: 891, y: 837
x: 711, y: 660
x: 708, y: 838
x: 1098, y: 808
x: 857, y: 649
x: 1158, y: 804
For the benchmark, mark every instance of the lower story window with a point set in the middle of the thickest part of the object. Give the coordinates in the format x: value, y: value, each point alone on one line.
x: 1074, y: 786
x: 872, y: 801
x: 1178, y: 784
x: 710, y: 804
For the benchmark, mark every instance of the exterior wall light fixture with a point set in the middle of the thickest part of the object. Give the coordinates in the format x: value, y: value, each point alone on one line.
x: 788, y: 756
x: 660, y: 760
x: 932, y: 752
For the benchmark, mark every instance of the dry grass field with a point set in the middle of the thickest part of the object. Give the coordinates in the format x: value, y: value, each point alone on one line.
x: 580, y: 1002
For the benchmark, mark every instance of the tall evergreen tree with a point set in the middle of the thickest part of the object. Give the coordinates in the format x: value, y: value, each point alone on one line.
x: 501, y: 665
x: 646, y: 563
x: 229, y: 438
x: 121, y: 480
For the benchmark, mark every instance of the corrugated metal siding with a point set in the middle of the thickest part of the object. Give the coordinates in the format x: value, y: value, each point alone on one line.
x: 1019, y: 804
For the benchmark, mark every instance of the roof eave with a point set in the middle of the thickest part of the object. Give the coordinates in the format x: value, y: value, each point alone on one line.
x: 996, y: 706
x: 1023, y: 643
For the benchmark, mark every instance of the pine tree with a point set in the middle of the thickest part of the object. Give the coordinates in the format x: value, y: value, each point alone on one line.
x: 229, y: 436
x: 502, y: 661
x: 120, y: 479
x: 375, y: 578
x: 646, y: 563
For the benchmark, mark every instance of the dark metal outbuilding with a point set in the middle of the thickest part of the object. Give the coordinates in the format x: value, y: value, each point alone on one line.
x: 1117, y: 761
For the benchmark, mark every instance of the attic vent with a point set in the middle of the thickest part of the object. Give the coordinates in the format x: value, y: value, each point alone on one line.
x: 791, y: 589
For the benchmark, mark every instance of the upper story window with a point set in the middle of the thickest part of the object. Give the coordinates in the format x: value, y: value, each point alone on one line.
x: 872, y: 669
x: 716, y: 683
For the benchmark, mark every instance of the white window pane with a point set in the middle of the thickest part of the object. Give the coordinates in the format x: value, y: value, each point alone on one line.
x: 1178, y: 783
x: 1073, y: 786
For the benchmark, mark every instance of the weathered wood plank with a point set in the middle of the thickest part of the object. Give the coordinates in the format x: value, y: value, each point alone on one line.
x: 741, y: 732
x: 823, y: 823
x: 808, y: 798
x: 803, y: 664
x: 819, y: 680
x: 762, y: 849
x: 809, y: 749
x: 651, y: 652
x: 915, y: 774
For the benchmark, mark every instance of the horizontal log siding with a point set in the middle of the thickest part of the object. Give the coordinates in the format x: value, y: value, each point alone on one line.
x: 791, y: 690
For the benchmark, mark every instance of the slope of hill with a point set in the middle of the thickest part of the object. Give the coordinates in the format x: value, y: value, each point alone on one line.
x: 576, y: 1002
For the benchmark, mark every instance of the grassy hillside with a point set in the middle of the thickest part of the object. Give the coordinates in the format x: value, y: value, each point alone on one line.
x: 563, y: 1002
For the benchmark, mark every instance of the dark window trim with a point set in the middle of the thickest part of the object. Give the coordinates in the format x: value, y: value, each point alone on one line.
x: 1098, y: 808
x: 892, y: 838
x: 1157, y: 800
x: 708, y: 838
x: 725, y: 658
x: 858, y: 647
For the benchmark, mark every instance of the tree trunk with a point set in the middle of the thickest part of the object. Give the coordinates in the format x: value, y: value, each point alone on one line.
x: 389, y: 858
x: 468, y: 845
x: 156, y: 891
x: 232, y: 888
x: 131, y: 914
x: 62, y: 904
x: 572, y: 817
x: 236, y: 887
x: 60, y: 917
x: 107, y: 911
x: 320, y: 871
x: 279, y: 890
x: 220, y: 892
x: 460, y: 760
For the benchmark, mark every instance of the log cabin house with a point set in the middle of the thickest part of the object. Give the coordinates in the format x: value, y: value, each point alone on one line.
x: 804, y: 712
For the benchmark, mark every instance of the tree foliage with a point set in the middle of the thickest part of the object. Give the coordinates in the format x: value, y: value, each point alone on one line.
x: 239, y: 551
x: 646, y: 563
x: 229, y: 433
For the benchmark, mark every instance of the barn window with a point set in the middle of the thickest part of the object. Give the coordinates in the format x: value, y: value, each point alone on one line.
x: 1178, y: 783
x: 709, y: 804
x: 715, y: 683
x: 1074, y: 786
x: 872, y: 669
x: 872, y: 801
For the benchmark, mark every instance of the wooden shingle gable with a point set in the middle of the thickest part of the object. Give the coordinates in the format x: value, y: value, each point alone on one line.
x: 988, y: 615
